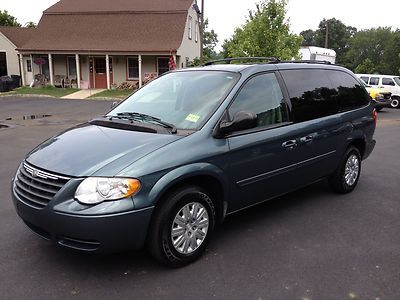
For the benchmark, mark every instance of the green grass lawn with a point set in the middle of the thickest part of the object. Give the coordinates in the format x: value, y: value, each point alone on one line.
x: 113, y: 94
x: 47, y: 91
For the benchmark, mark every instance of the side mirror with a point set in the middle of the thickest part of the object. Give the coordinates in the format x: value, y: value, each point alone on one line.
x: 243, y: 120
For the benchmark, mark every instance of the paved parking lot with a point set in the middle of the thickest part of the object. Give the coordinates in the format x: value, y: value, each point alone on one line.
x: 311, y: 244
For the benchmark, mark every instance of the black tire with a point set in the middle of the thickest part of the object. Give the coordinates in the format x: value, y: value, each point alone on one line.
x: 338, y: 180
x: 160, y: 242
x: 395, y: 102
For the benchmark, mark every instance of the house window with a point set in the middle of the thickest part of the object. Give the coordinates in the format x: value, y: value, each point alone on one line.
x: 162, y: 65
x: 71, y: 66
x: 3, y: 64
x: 190, y: 27
x: 133, y: 68
x: 29, y: 66
x: 196, y: 31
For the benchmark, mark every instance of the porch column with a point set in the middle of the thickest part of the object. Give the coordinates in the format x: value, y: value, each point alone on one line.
x: 108, y: 71
x: 78, y: 70
x: 51, y: 69
x: 21, y: 64
x: 140, y: 70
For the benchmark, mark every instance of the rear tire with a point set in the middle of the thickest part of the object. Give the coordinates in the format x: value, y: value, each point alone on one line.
x: 346, y: 176
x: 182, y: 227
x: 395, y: 103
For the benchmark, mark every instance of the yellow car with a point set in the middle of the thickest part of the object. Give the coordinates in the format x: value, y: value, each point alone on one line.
x: 380, y: 97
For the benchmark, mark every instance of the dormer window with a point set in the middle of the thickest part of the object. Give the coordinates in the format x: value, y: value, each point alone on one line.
x: 190, y: 28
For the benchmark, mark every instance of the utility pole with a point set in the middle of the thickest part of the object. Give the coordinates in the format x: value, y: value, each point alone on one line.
x: 327, y: 34
x: 202, y: 29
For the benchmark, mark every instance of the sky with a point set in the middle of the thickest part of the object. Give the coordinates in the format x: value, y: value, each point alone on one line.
x: 225, y: 15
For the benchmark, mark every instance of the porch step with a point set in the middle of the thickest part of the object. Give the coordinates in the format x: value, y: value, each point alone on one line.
x: 83, y: 94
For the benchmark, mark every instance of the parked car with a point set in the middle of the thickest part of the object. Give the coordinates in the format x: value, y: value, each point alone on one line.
x: 388, y: 82
x: 380, y: 97
x: 168, y: 164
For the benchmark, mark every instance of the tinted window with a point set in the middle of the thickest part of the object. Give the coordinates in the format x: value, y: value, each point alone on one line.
x: 387, y: 81
x: 365, y: 79
x: 374, y: 81
x: 263, y: 96
x: 350, y: 94
x: 311, y: 94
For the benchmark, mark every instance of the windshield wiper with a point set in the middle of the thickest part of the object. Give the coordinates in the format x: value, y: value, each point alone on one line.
x: 145, y: 118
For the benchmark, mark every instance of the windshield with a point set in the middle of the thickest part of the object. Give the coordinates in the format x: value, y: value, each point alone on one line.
x: 183, y: 99
x: 397, y: 79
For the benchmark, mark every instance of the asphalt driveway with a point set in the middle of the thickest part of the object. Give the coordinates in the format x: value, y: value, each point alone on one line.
x: 311, y: 244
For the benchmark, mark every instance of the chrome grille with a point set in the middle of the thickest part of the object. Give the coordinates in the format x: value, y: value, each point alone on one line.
x: 37, y: 187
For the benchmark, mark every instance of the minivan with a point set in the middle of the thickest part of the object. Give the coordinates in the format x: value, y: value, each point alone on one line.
x: 167, y: 165
x: 389, y: 83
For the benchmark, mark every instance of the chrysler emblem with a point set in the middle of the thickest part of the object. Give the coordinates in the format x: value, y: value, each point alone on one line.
x: 34, y: 173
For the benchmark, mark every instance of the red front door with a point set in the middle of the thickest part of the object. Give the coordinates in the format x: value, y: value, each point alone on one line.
x: 98, y: 73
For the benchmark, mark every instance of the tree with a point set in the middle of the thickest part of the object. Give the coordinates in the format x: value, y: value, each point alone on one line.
x: 375, y: 49
x: 209, y: 43
x: 339, y: 36
x: 30, y: 25
x: 7, y: 20
x: 309, y: 37
x: 265, y: 33
x: 366, y: 67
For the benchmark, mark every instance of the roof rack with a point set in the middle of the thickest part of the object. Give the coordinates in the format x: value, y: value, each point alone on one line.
x: 229, y: 60
x: 319, y: 62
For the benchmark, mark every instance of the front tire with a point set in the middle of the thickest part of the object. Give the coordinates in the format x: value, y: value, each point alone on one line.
x: 182, y: 227
x: 346, y: 176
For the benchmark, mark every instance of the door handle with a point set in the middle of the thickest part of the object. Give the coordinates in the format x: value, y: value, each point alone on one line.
x: 306, y: 139
x: 290, y: 145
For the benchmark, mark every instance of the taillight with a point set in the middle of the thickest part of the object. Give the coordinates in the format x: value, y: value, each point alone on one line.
x: 374, y: 115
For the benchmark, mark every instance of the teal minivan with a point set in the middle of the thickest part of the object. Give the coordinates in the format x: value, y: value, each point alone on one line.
x: 169, y: 163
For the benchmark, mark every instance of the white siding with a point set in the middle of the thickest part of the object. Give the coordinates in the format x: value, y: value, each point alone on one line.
x: 189, y: 48
x: 12, y: 55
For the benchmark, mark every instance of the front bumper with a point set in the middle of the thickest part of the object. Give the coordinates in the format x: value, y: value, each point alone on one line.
x: 95, y: 233
x: 382, y: 103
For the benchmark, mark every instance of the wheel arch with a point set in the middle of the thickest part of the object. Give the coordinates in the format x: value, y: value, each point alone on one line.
x: 204, y: 175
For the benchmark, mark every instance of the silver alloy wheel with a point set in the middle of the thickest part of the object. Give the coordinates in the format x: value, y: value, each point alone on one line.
x: 351, y: 170
x: 189, y: 228
x: 395, y: 103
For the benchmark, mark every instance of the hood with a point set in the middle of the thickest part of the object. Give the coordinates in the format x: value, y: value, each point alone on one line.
x: 89, y: 150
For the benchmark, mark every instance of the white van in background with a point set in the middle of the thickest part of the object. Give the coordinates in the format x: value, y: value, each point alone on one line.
x: 318, y: 53
x: 390, y: 83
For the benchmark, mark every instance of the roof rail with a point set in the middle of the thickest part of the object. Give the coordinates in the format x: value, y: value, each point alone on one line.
x: 229, y: 60
x: 320, y: 62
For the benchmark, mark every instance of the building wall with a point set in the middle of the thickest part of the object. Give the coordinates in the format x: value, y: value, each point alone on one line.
x: 12, y: 56
x: 149, y: 65
x: 189, y: 49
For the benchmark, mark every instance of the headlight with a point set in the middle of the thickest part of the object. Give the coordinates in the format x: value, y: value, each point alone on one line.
x: 95, y: 190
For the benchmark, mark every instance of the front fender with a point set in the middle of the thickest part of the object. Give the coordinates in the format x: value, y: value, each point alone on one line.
x: 178, y: 175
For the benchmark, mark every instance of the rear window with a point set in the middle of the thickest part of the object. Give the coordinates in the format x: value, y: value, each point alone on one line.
x: 311, y: 94
x: 350, y: 94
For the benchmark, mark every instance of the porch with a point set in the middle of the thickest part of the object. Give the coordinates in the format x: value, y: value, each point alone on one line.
x: 93, y: 71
